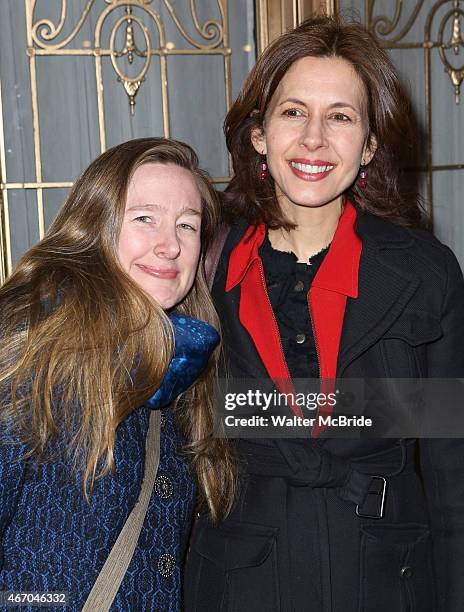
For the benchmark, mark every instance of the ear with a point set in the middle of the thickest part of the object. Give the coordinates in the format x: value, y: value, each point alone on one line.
x: 258, y: 140
x: 369, y: 150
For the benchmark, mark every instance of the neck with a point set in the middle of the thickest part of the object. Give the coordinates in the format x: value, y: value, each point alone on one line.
x: 315, y: 228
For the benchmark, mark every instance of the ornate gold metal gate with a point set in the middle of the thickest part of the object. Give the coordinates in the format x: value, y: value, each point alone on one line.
x: 440, y: 33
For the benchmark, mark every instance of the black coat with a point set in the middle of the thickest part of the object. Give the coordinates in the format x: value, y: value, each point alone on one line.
x: 293, y: 541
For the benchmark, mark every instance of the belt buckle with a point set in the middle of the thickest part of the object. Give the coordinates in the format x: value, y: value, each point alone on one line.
x: 374, y: 503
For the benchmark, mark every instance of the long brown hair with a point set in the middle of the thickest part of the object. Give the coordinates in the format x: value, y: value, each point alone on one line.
x: 388, y: 117
x: 76, y: 328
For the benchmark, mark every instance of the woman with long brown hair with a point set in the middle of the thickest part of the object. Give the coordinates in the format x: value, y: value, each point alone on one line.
x: 324, y: 274
x: 104, y: 323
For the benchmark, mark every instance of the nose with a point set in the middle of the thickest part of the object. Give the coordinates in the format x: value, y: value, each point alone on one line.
x: 313, y: 135
x: 167, y: 244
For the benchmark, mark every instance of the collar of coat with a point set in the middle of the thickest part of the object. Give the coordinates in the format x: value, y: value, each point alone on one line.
x: 338, y: 272
x: 336, y: 279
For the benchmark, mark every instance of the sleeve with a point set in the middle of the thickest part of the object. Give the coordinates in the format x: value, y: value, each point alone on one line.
x: 445, y: 357
x: 442, y: 460
x: 12, y: 473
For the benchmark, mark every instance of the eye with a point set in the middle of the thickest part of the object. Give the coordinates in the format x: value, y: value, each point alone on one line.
x: 187, y: 226
x: 143, y: 219
x: 341, y: 117
x: 292, y: 113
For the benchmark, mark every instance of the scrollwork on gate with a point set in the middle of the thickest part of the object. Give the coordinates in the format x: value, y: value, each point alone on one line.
x: 138, y: 42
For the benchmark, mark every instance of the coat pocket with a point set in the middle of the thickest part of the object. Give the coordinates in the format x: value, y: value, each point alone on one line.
x: 404, y: 345
x: 232, y: 568
x: 416, y: 327
x: 396, y: 568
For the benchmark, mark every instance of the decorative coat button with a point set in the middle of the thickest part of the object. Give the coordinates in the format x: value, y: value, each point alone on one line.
x: 406, y: 572
x: 162, y: 420
x: 163, y: 487
x: 166, y: 565
x: 300, y: 338
x: 299, y: 286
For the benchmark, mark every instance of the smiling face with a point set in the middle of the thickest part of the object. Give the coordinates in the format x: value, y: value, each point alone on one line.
x: 159, y: 243
x: 315, y: 133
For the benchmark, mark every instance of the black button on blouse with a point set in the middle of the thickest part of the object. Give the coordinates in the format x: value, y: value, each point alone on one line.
x: 288, y: 283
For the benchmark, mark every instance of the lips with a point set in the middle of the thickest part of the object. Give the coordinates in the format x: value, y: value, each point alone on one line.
x: 311, y: 170
x: 163, y: 273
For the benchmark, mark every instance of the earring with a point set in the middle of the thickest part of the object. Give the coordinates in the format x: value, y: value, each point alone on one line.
x: 263, y: 171
x: 363, y: 178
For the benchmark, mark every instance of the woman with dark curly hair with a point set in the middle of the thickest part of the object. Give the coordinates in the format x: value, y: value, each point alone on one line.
x: 324, y: 273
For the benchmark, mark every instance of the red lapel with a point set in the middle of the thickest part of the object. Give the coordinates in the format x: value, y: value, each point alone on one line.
x: 336, y: 279
x: 255, y: 310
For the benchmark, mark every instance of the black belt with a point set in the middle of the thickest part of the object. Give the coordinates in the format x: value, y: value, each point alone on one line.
x: 362, y: 481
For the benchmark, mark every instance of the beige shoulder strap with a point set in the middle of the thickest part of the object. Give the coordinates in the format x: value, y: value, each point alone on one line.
x: 214, y: 253
x: 112, y: 573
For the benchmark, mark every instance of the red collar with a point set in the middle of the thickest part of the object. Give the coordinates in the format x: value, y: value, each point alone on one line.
x: 338, y: 272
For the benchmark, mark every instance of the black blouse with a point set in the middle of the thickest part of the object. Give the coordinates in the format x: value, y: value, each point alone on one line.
x: 288, y: 283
